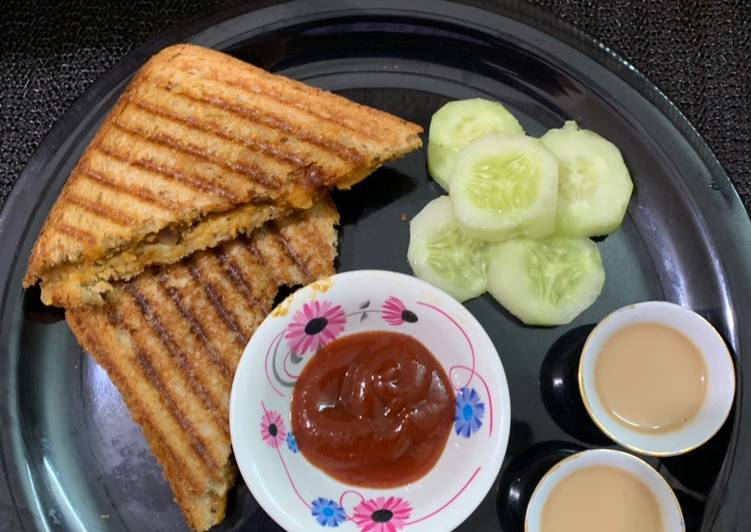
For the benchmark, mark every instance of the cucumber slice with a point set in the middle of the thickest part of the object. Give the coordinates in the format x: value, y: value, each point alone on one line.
x: 505, y: 186
x: 545, y: 282
x: 440, y: 254
x: 594, y: 186
x: 458, y: 123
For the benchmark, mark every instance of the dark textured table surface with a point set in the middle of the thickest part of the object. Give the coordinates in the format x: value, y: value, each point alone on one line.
x: 697, y: 51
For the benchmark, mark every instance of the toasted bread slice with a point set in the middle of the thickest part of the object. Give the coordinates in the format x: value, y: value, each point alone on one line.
x: 170, y: 339
x: 195, y: 136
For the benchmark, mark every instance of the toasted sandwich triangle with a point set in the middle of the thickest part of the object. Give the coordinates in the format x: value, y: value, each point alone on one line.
x: 200, y: 147
x: 170, y: 340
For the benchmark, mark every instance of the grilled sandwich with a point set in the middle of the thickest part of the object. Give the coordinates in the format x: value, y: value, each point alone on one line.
x: 170, y: 340
x: 200, y: 147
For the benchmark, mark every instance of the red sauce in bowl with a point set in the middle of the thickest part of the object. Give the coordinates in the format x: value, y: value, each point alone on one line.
x: 373, y: 409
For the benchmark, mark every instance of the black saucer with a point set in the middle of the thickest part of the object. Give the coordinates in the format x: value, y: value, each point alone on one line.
x: 559, y: 387
x: 520, y: 477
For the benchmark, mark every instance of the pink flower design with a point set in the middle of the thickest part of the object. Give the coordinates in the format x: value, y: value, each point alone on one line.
x: 314, y: 326
x: 382, y: 514
x: 395, y: 313
x: 272, y: 429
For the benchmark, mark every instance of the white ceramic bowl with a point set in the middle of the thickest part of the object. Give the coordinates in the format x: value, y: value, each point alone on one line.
x: 720, y: 380
x: 301, y: 497
x: 672, y: 516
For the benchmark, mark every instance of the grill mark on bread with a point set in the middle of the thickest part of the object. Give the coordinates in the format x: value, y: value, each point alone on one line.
x: 250, y: 171
x: 303, y: 169
x: 330, y: 146
x: 142, y: 416
x: 73, y: 232
x: 139, y: 193
x: 169, y: 173
x: 279, y: 90
x: 290, y: 251
x: 248, y: 313
x: 253, y: 249
x: 156, y: 381
x: 269, y: 149
x: 216, y: 301
x: 107, y: 213
x: 176, y: 354
x: 195, y: 327
x: 279, y: 98
x: 236, y: 275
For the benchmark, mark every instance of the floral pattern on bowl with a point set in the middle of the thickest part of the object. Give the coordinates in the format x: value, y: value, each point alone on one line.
x: 301, y: 497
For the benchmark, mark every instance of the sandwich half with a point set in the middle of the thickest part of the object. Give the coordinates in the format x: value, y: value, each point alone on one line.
x: 171, y: 338
x: 200, y: 147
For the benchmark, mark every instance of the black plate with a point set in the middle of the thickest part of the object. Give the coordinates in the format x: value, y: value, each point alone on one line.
x: 72, y: 458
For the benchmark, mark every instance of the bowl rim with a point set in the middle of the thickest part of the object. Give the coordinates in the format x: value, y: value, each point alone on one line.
x: 617, y: 455
x: 604, y: 425
x: 501, y: 394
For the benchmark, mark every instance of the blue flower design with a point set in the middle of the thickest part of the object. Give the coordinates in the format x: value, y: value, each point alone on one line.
x: 469, y: 412
x: 292, y: 442
x: 328, y: 513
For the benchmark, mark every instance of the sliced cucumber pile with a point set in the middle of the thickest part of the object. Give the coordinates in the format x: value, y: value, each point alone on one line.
x: 594, y: 184
x: 458, y: 123
x: 505, y: 186
x: 519, y: 212
x: 548, y: 281
x: 441, y: 254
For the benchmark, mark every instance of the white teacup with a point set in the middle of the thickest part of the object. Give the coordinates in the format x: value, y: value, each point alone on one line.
x: 670, y: 510
x: 720, y: 388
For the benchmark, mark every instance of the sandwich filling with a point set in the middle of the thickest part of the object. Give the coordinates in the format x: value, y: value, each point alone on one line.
x: 75, y: 284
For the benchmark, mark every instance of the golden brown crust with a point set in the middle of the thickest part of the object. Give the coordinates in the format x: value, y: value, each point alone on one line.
x: 171, y: 338
x: 199, y: 132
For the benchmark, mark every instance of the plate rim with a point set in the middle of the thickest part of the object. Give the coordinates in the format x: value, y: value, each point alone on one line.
x: 23, y: 197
